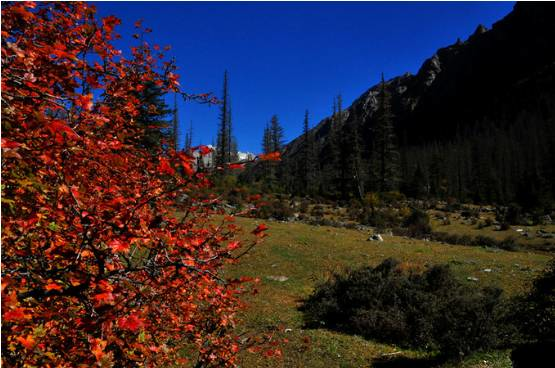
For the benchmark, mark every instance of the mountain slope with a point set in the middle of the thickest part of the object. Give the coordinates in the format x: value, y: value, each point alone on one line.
x: 497, y: 79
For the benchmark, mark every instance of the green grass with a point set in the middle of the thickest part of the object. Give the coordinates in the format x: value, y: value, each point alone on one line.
x: 308, y: 254
x: 461, y: 227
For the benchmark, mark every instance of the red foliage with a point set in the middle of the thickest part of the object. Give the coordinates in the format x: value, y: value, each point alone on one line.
x: 96, y: 269
x: 272, y: 156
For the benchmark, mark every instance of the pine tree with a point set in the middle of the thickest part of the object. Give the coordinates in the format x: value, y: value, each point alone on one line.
x: 224, y: 144
x: 267, y: 147
x: 267, y: 140
x: 276, y: 133
x: 153, y: 114
x: 352, y: 158
x: 384, y: 159
x: 308, y: 160
x: 332, y: 180
x: 189, y: 137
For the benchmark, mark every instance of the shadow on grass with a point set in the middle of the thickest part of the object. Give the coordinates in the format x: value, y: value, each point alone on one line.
x: 402, y: 362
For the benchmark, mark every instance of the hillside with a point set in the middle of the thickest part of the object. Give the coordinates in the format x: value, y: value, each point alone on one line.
x: 482, y: 108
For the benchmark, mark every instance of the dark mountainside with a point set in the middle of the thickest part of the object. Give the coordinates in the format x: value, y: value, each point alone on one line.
x: 475, y: 123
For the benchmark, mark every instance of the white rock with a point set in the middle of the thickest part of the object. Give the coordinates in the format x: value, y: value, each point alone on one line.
x: 376, y: 237
x: 278, y: 278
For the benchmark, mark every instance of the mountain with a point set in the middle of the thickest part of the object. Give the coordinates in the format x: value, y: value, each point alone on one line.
x: 496, y: 89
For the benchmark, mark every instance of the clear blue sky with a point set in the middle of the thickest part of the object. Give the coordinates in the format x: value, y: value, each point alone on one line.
x: 286, y: 57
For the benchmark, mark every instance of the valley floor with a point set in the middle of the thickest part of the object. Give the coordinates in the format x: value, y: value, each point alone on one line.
x: 296, y: 256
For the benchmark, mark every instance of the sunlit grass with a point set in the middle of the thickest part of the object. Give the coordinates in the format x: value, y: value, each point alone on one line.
x: 307, y: 254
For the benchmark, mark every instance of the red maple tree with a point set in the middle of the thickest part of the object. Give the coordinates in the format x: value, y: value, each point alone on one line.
x: 96, y: 267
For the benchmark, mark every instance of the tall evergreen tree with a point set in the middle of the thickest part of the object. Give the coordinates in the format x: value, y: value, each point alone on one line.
x: 224, y: 144
x: 276, y: 133
x: 308, y: 162
x: 384, y: 159
x: 351, y: 155
x: 189, y: 137
x: 267, y: 144
x: 267, y: 147
x: 153, y: 117
x: 332, y: 178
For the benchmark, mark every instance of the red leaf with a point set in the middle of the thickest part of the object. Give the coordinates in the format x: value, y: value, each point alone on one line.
x: 109, y: 23
x: 259, y: 229
x: 16, y: 314
x: 132, y: 323
x: 104, y: 298
x: 233, y: 245
x: 118, y: 246
x: 273, y: 156
x: 85, y: 101
x: 59, y: 129
x: 28, y: 342
x: 203, y: 150
x: 52, y: 286
x: 6, y: 143
x: 236, y: 166
x: 164, y: 167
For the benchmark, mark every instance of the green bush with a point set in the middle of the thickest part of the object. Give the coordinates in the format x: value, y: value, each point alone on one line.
x: 533, y: 316
x: 418, y: 223
x: 535, y: 312
x: 278, y: 209
x: 428, y: 310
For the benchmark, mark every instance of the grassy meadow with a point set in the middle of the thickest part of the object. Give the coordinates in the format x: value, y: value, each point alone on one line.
x: 295, y: 257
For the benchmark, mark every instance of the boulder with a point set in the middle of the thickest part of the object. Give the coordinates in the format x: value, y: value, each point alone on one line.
x: 546, y: 220
x: 278, y: 278
x: 375, y: 237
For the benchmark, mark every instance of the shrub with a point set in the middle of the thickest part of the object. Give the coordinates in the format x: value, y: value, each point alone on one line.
x: 511, y: 215
x: 317, y: 211
x: 97, y: 268
x: 392, y: 198
x: 394, y: 304
x: 533, y: 316
x: 504, y: 226
x: 278, y: 209
x: 418, y: 223
x: 304, y: 206
x: 535, y: 312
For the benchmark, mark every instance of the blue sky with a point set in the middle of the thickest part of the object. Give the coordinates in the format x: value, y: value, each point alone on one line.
x: 285, y: 57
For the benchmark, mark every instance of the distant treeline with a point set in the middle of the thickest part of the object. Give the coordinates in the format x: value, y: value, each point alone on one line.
x: 502, y: 160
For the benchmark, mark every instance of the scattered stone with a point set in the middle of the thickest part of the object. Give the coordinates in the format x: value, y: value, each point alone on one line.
x: 278, y: 278
x: 519, y: 230
x: 546, y: 220
x: 470, y: 278
x: 375, y: 237
x: 487, y: 270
